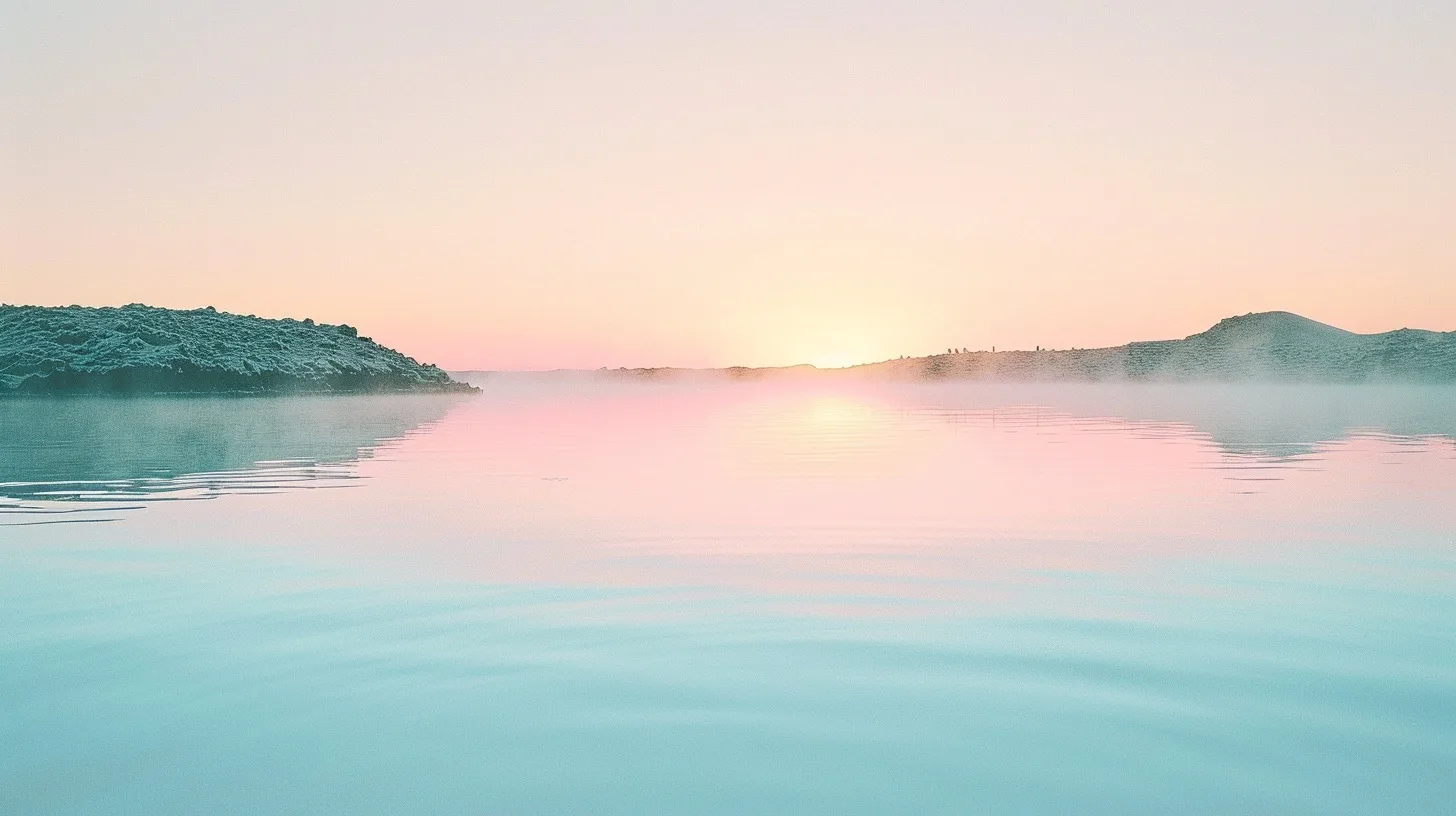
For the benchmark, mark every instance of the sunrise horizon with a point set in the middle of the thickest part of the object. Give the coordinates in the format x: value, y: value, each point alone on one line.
x: 827, y: 361
x: 727, y: 407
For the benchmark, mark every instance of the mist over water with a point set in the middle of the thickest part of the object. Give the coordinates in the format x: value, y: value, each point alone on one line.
x: 571, y: 594
x: 105, y: 450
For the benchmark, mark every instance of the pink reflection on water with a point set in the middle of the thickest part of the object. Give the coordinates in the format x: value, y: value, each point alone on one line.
x: 858, y: 498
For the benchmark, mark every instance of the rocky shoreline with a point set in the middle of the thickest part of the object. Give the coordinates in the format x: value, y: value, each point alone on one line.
x: 139, y: 349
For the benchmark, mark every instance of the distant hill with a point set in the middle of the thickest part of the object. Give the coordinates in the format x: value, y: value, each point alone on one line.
x: 140, y: 349
x: 1262, y: 347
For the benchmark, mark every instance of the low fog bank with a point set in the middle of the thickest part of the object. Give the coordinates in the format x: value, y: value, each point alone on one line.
x: 1268, y: 347
x: 1265, y: 347
x: 1264, y: 418
x: 100, y: 439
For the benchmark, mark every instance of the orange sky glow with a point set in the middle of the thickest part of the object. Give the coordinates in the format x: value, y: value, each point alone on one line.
x: 709, y: 184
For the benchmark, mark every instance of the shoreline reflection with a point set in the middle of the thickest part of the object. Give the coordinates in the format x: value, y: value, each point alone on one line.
x: 67, y: 459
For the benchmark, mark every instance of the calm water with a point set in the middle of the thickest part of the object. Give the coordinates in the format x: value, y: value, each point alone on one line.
x: 575, y: 597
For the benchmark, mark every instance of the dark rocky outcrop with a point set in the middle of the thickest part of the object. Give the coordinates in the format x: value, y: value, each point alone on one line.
x: 140, y: 349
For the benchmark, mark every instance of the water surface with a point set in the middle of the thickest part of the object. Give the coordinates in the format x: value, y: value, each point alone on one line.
x: 567, y: 595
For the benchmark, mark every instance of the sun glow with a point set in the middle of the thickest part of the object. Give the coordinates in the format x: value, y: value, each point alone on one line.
x: 839, y: 360
x: 841, y: 349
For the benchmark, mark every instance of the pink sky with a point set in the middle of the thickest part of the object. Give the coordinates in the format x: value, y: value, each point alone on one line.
x: 734, y: 183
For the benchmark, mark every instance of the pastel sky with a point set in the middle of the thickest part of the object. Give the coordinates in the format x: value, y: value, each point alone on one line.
x: 576, y: 184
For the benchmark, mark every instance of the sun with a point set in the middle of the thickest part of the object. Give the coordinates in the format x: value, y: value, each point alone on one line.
x: 827, y: 340
x: 841, y: 349
x: 838, y: 360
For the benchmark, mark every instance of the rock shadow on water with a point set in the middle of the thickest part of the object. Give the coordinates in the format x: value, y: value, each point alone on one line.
x: 64, y: 459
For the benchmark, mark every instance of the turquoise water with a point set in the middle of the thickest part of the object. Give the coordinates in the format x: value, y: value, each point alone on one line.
x: 568, y: 596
